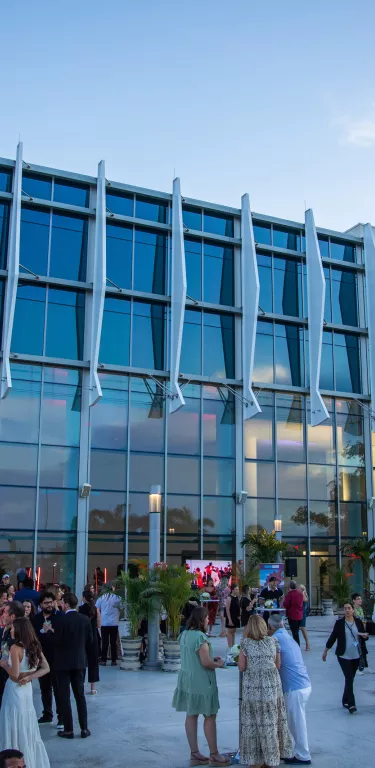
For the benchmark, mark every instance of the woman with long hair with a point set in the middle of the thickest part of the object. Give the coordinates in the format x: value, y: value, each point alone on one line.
x: 265, y: 736
x: 349, y: 634
x: 223, y: 592
x: 18, y: 722
x: 196, y: 692
x: 212, y: 607
x: 29, y: 608
x: 233, y: 612
x: 89, y: 609
x: 303, y: 629
x: 11, y: 592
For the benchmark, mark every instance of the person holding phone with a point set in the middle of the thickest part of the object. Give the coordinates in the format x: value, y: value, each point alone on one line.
x: 349, y: 634
x: 196, y: 692
x: 44, y: 624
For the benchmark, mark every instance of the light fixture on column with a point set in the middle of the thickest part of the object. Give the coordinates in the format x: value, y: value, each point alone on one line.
x: 278, y: 527
x: 155, y: 499
x: 153, y: 662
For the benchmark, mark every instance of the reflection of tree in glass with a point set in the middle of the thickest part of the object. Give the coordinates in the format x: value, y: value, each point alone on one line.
x: 354, y: 451
x: 106, y: 519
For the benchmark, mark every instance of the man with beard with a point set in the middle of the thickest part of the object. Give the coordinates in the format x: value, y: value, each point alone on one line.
x: 44, y: 624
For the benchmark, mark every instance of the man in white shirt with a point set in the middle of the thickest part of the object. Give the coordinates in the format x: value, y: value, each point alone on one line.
x: 109, y: 605
x: 296, y: 688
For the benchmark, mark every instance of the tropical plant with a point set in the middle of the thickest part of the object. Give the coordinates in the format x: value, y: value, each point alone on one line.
x: 173, y: 588
x: 325, y: 568
x: 363, y: 550
x: 341, y: 587
x: 242, y: 575
x: 263, y: 547
x: 131, y: 590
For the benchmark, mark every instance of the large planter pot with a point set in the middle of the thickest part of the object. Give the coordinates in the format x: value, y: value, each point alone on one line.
x: 327, y: 607
x: 172, y: 656
x: 131, y: 648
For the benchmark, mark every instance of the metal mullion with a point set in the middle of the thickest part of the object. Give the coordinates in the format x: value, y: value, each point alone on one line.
x: 305, y: 428
x: 276, y: 457
x: 201, y: 474
x: 338, y: 533
x: 127, y: 493
x: 165, y: 495
x: 37, y: 496
x: 202, y: 267
x: 49, y: 243
x: 133, y: 256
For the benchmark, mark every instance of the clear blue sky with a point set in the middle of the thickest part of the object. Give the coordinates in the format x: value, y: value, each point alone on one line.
x: 271, y: 97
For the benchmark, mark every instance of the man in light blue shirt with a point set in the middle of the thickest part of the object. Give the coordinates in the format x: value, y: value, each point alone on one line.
x: 296, y: 688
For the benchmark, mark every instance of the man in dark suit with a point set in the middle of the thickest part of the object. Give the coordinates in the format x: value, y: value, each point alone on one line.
x: 44, y: 624
x: 73, y: 640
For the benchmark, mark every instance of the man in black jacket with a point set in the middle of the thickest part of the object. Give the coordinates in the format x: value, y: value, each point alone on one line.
x: 73, y: 640
x: 13, y: 610
x: 45, y: 624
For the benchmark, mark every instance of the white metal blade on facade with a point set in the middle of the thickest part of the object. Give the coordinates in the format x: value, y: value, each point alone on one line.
x: 99, y: 285
x: 13, y: 267
x: 316, y: 289
x: 369, y: 247
x: 250, y: 303
x: 178, y: 297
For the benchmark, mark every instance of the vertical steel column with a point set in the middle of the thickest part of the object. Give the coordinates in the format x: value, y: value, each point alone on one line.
x: 316, y: 288
x: 250, y: 304
x: 178, y: 297
x: 13, y: 267
x: 96, y: 270
x: 239, y: 407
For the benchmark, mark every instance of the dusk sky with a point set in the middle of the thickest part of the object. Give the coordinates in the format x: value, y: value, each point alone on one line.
x: 272, y: 98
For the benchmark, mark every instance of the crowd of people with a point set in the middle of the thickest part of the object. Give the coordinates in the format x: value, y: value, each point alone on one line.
x: 275, y: 685
x: 46, y: 635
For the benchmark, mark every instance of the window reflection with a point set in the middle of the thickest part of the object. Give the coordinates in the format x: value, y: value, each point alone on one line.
x: 289, y: 354
x: 68, y: 247
x: 4, y: 228
x: 56, y: 557
x: 290, y: 432
x: 70, y: 192
x: 292, y: 481
x: 19, y: 413
x: 120, y: 203
x: 263, y: 360
x: 28, y: 327
x: 107, y: 511
x: 146, y: 416
x: 218, y: 274
x: 115, y: 337
x: 192, y: 217
x: 119, y: 255
x: 218, y: 422
x: 58, y: 467
x: 218, y: 516
x: 109, y: 421
x: 61, y: 414
x: 5, y: 179
x: 193, y: 258
x: 218, y: 224
x: 183, y: 475
x: 146, y: 470
x: 57, y: 510
x: 323, y: 246
x: 353, y: 519
x: 326, y: 369
x: 17, y: 505
x: 262, y: 233
x: 191, y: 351
x: 342, y: 251
x: 287, y: 287
x: 259, y: 513
x: 66, y: 309
x: 344, y: 297
x: 293, y: 514
x: 34, y: 240
x: 323, y: 518
x: 260, y: 479
x: 150, y: 250
x: 148, y: 335
x: 320, y: 443
x: 259, y: 433
x: 347, y: 370
x: 218, y: 477
x: 350, y: 435
x: 265, y: 280
x: 36, y: 185
x: 182, y: 515
x: 218, y: 357
x: 184, y: 425
x: 352, y: 484
x: 151, y: 209
x: 286, y: 238
x: 108, y: 470
x: 322, y: 482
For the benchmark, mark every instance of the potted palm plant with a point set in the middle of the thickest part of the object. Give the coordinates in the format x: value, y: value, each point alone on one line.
x: 131, y: 589
x: 173, y: 588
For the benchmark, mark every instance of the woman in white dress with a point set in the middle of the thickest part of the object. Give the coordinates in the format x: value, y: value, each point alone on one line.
x: 18, y: 722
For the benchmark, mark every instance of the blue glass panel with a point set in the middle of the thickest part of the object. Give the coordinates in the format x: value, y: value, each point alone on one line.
x: 66, y: 310
x: 323, y: 246
x: 183, y: 475
x: 119, y: 255
x: 262, y: 233
x: 287, y: 238
x: 218, y: 275
x: 68, y: 247
x: 192, y: 217
x: 150, y: 251
x: 4, y: 228
x: 218, y: 224
x: 58, y: 467
x: 218, y: 477
x: 218, y: 517
x: 108, y: 470
x: 107, y: 511
x: 265, y: 279
x: 34, y: 240
x: 191, y: 352
x: 326, y: 370
x: 218, y: 357
x: 115, y: 338
x: 18, y: 465
x: 347, y: 368
x: 184, y: 427
x: 17, y: 504
x: 344, y: 297
x: 328, y: 303
x: 289, y: 355
x: 121, y: 204
x: 146, y: 470
x: 263, y: 360
x: 37, y: 186
x: 193, y: 259
x: 28, y: 328
x: 148, y: 335
x: 287, y: 287
x: 218, y: 425
x: 147, y: 408
x: 5, y: 179
x: 61, y: 411
x: 19, y: 412
x: 151, y: 209
x: 57, y: 510
x: 342, y: 251
x: 109, y: 421
x: 71, y: 193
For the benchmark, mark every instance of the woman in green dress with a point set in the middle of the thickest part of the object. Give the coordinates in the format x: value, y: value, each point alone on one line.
x: 196, y: 692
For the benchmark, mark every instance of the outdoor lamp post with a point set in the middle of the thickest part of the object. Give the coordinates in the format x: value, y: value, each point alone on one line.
x: 278, y: 528
x: 153, y: 662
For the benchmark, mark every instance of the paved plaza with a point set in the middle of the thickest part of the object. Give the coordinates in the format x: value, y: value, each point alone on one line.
x: 134, y: 726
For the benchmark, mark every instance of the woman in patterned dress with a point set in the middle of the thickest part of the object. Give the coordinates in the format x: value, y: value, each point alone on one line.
x: 265, y: 736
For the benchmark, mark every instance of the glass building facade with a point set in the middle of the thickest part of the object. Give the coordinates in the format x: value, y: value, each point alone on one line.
x: 318, y: 480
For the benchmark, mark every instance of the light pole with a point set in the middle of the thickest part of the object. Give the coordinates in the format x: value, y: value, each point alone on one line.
x: 153, y: 663
x: 278, y: 528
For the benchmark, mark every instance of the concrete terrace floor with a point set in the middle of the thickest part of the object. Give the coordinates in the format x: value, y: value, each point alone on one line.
x: 134, y: 726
